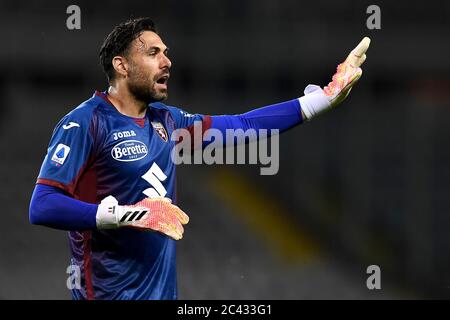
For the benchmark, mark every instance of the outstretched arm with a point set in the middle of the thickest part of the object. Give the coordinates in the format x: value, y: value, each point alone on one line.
x: 285, y: 115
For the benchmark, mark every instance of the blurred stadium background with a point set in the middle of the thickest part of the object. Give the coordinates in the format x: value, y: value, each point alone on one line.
x: 365, y: 184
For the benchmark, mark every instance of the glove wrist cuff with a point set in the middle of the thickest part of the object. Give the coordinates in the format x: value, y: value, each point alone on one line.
x: 314, y: 101
x: 108, y: 213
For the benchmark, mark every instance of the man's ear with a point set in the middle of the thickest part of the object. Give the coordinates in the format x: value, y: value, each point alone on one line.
x: 120, y: 64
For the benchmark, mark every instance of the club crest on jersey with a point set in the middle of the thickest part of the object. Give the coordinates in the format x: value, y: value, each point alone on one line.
x: 60, y: 155
x: 129, y: 150
x: 160, y: 130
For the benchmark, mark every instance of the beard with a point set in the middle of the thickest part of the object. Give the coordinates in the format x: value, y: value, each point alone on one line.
x: 142, y: 87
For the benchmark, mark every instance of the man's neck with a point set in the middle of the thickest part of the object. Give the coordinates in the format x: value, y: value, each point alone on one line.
x: 125, y: 102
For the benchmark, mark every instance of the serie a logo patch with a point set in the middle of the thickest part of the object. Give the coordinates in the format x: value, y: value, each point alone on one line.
x: 160, y: 130
x: 60, y: 155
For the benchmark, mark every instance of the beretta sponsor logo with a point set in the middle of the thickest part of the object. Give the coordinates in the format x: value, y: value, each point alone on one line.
x: 129, y: 150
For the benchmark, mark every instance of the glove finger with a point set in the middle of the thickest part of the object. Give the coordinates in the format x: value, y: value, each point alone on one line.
x: 354, y: 78
x: 170, y: 230
x: 181, y: 216
x: 363, y: 58
x: 174, y: 226
x: 175, y: 232
x: 174, y: 210
x: 346, y: 90
x: 358, y: 52
x: 362, y: 47
x: 359, y: 61
x: 179, y: 227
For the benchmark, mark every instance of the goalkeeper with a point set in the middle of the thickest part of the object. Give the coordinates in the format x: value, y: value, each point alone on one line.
x: 108, y: 177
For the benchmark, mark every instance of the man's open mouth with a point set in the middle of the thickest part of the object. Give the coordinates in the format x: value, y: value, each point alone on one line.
x: 163, y: 79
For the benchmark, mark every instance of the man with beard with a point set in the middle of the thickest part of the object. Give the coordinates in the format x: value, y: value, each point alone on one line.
x: 108, y: 177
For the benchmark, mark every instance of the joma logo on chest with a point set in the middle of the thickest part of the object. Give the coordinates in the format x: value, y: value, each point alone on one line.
x: 124, y: 134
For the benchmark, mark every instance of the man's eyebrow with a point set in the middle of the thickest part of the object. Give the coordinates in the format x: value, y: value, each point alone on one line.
x: 156, y: 48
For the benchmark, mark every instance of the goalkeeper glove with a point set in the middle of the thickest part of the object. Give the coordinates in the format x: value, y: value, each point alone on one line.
x: 157, y: 214
x: 316, y: 100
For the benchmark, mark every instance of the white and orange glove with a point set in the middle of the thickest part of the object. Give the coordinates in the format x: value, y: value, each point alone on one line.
x: 316, y: 100
x: 150, y: 214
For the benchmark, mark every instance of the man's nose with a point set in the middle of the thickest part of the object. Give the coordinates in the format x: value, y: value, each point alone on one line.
x: 165, y: 62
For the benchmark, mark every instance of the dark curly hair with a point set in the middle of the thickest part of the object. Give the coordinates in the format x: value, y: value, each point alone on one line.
x: 118, y: 42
